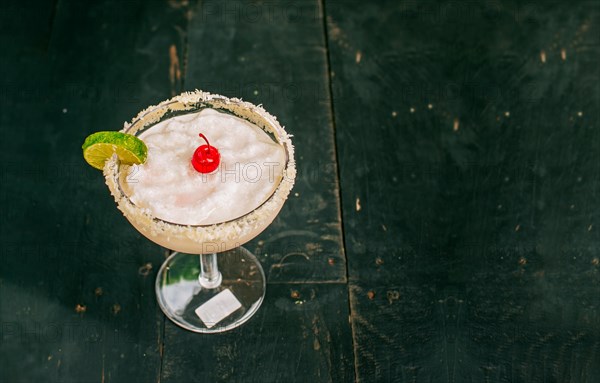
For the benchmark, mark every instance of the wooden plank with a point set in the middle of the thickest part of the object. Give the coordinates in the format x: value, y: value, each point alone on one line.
x: 77, y: 299
x: 273, y: 54
x: 300, y: 334
x: 468, y: 144
x: 263, y: 52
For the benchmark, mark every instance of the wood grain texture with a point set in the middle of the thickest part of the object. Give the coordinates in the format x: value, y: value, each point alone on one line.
x: 23, y: 30
x: 273, y: 53
x: 77, y: 297
x: 468, y: 138
x: 300, y: 334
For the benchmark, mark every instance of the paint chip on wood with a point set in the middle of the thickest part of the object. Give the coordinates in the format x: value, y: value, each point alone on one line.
x: 456, y: 125
x: 145, y: 269
x: 80, y: 309
x: 358, y: 207
x: 316, y: 345
x: 392, y: 296
x: 174, y: 69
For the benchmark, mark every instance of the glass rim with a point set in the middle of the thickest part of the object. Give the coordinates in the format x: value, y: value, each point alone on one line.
x: 112, y: 168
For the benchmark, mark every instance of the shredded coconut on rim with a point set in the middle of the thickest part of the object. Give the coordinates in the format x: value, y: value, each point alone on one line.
x: 232, y: 233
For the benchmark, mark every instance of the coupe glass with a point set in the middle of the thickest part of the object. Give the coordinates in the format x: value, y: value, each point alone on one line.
x: 223, y: 284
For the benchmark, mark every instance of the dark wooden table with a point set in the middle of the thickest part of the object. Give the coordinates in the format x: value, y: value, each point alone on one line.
x: 445, y: 224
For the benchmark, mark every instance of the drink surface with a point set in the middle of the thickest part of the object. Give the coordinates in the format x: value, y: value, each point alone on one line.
x: 251, y: 168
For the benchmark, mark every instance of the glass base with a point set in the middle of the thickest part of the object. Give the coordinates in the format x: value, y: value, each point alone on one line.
x: 211, y: 310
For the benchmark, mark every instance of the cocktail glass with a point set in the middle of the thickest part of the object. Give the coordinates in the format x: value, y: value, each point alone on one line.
x: 223, y: 285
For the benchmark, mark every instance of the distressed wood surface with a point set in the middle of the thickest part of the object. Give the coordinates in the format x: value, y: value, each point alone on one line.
x: 468, y: 138
x: 274, y: 54
x: 77, y: 299
x: 300, y: 334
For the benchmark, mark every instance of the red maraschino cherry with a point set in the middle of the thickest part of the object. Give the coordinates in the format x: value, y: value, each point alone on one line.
x: 206, y: 158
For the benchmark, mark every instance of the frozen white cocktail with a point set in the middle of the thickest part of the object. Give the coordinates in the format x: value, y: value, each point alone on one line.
x: 212, y: 174
x: 251, y: 166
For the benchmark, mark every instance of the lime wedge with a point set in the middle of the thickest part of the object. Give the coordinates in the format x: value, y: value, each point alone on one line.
x: 100, y: 146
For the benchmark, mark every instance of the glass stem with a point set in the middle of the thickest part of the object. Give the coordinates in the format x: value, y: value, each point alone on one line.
x: 210, y: 277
